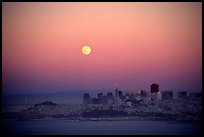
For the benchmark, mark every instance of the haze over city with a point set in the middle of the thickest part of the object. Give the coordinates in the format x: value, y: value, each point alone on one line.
x: 135, y: 44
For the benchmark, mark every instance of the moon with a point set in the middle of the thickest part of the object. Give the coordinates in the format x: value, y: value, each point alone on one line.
x: 86, y: 50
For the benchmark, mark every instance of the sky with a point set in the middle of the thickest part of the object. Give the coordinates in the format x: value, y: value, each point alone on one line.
x: 134, y: 44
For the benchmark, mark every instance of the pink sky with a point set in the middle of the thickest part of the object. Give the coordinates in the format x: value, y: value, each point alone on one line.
x: 135, y: 44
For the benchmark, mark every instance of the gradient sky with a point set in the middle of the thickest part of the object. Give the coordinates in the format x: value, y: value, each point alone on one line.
x: 135, y: 44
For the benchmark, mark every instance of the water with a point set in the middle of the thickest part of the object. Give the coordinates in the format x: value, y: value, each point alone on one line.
x: 68, y: 127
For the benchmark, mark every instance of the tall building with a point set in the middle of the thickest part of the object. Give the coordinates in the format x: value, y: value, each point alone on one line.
x: 116, y: 89
x: 104, y: 100
x: 86, y: 98
x: 154, y: 88
x: 100, y: 95
x: 120, y: 94
x: 110, y: 98
x: 117, y: 100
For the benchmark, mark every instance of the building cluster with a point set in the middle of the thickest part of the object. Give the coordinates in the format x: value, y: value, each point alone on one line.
x: 101, y: 99
x: 108, y: 99
x: 120, y: 99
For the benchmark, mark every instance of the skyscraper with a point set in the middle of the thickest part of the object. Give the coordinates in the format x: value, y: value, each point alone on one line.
x: 116, y: 95
x: 100, y: 95
x: 154, y: 88
x: 116, y: 89
x: 110, y: 98
x: 86, y: 98
x: 120, y: 93
x: 110, y: 95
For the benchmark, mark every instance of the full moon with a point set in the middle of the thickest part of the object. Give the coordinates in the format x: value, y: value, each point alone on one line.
x: 86, y: 50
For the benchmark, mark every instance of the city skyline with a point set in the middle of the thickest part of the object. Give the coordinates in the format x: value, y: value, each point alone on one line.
x: 135, y: 44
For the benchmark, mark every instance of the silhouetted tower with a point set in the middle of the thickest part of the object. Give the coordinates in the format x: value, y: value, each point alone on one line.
x: 116, y: 89
x: 154, y: 88
x: 120, y: 94
x: 100, y: 97
x: 116, y: 95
